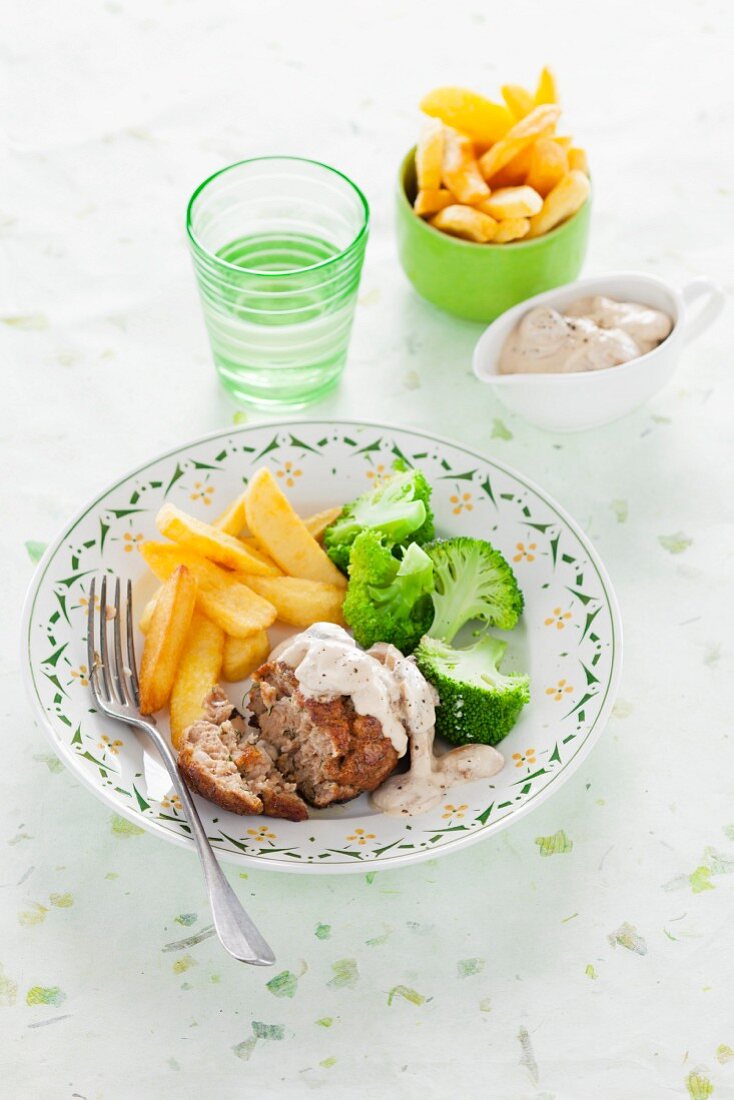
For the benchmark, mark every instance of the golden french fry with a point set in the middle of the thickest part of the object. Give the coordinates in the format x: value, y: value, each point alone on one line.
x: 549, y: 164
x: 164, y: 643
x: 224, y: 599
x: 568, y: 196
x: 546, y: 92
x: 300, y: 602
x: 460, y: 171
x: 564, y: 140
x: 518, y: 99
x: 577, y: 160
x: 515, y: 171
x: 147, y: 616
x: 284, y: 535
x: 256, y: 549
x: 430, y: 202
x: 198, y: 672
x: 465, y: 222
x: 232, y: 519
x: 243, y: 655
x: 539, y: 123
x: 319, y: 521
x: 511, y: 202
x: 480, y: 119
x: 511, y: 229
x: 210, y: 542
x: 429, y: 156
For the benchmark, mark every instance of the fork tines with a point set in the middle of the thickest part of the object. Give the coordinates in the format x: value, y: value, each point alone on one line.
x: 112, y: 679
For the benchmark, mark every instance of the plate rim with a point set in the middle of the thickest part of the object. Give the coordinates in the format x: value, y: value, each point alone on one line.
x: 151, y: 826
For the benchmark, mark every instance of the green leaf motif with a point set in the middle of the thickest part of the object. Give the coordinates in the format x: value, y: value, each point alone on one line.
x: 557, y: 844
x: 698, y: 1085
x: 590, y: 972
x: 8, y: 990
x: 284, y: 984
x: 45, y: 995
x: 467, y: 967
x: 122, y: 827
x: 346, y: 974
x: 676, y: 543
x: 322, y: 931
x: 268, y: 1031
x: 700, y: 880
x: 500, y: 429
x: 406, y: 993
x: 35, y: 550
x: 626, y: 936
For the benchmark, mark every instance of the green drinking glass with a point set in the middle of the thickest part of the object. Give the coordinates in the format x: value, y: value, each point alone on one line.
x: 278, y: 245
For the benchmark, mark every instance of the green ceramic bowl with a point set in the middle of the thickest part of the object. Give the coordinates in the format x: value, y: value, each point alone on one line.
x: 481, y: 281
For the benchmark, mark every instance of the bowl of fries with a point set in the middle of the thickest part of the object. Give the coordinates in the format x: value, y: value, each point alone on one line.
x: 493, y: 205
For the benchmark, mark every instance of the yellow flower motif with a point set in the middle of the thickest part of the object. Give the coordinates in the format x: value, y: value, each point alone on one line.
x: 81, y: 674
x: 561, y: 689
x: 461, y: 503
x: 455, y: 811
x: 263, y: 833
x: 559, y: 618
x: 361, y: 836
x: 525, y: 552
x: 105, y: 744
x: 378, y: 473
x: 84, y: 602
x: 528, y: 757
x: 202, y: 492
x: 131, y: 542
x: 172, y: 802
x: 289, y: 474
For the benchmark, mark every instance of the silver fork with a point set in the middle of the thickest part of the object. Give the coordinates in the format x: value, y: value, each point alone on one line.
x: 114, y: 684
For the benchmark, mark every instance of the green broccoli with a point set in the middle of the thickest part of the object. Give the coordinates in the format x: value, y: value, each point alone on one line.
x: 388, y: 600
x: 473, y: 581
x: 399, y: 508
x: 478, y: 703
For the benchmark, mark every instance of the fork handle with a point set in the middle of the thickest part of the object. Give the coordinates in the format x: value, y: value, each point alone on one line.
x: 236, y: 931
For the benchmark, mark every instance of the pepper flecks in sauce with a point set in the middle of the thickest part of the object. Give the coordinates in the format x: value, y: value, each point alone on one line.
x: 590, y: 334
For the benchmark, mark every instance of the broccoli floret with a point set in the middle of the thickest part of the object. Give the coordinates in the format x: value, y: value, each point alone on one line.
x: 478, y: 703
x: 399, y: 508
x: 388, y: 599
x: 473, y: 581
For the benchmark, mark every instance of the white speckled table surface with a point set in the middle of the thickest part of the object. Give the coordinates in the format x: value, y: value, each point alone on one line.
x: 603, y: 970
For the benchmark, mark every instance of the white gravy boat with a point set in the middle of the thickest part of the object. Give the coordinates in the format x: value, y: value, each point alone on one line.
x: 574, y: 402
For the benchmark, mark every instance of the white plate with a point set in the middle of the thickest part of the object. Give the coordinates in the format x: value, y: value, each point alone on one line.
x: 569, y: 638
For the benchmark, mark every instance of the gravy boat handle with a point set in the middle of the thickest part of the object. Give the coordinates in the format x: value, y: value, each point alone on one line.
x: 708, y: 312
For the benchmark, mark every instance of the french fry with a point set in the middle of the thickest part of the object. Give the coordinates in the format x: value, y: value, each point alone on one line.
x: 165, y: 640
x: 539, y: 123
x: 254, y: 548
x: 548, y: 165
x: 243, y: 655
x: 236, y: 609
x: 564, y: 140
x: 429, y: 156
x: 568, y: 196
x: 465, y: 222
x: 147, y: 616
x: 511, y: 202
x: 284, y: 535
x: 546, y: 92
x: 210, y: 542
x: 518, y: 99
x: 515, y: 171
x: 300, y: 602
x: 319, y: 521
x: 198, y: 672
x: 430, y: 202
x: 577, y: 160
x: 232, y: 519
x: 471, y: 114
x: 460, y: 171
x: 511, y: 229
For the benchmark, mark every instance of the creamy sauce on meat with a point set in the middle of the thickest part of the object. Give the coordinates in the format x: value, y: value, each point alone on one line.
x: 386, y: 685
x: 590, y: 334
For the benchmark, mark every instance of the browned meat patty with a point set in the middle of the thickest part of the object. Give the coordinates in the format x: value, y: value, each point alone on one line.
x: 329, y: 751
x: 227, y: 762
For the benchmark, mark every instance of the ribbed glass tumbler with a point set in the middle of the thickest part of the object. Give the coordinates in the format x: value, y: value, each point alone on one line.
x: 278, y: 245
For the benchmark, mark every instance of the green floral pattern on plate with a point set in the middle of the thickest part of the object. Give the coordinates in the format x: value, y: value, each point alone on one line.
x: 569, y: 639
